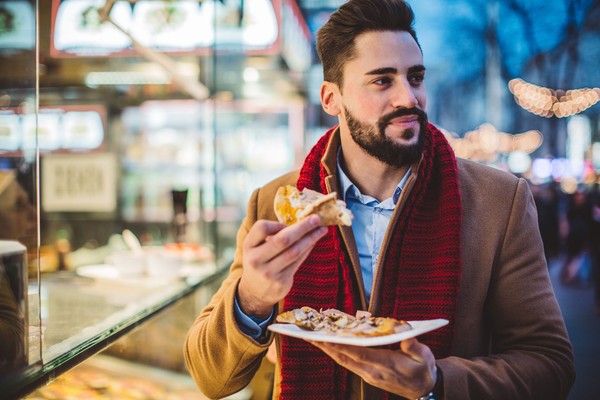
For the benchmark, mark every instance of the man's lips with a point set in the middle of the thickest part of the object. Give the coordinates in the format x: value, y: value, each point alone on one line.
x: 405, y: 119
x: 408, y: 121
x: 405, y: 122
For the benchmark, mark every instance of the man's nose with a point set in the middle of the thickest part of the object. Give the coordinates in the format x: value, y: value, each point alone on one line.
x: 404, y: 96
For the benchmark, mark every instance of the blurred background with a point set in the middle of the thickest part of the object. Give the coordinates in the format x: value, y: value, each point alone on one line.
x: 161, y: 117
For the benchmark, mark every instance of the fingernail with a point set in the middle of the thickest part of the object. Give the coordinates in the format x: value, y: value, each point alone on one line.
x: 315, y: 220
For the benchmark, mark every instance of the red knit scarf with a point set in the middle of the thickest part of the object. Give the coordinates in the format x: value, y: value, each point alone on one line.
x: 421, y: 270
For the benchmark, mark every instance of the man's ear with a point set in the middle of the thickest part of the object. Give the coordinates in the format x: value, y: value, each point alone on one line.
x: 330, y: 98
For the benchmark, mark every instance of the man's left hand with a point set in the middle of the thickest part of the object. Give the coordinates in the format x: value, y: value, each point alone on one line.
x: 409, y: 372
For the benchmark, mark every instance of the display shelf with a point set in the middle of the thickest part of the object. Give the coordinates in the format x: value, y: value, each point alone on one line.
x: 107, y: 377
x: 83, y: 316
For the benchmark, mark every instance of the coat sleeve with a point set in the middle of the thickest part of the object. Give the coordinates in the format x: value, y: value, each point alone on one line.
x: 530, y: 355
x: 219, y: 356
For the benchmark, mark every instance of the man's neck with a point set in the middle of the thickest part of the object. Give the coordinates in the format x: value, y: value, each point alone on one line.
x: 372, y: 176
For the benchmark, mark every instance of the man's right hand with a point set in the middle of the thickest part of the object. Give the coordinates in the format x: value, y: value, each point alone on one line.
x: 272, y: 253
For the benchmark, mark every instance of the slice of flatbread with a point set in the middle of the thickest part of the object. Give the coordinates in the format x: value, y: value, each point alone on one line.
x: 292, y: 205
x: 336, y: 322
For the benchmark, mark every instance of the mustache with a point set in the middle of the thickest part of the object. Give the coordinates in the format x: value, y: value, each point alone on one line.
x: 400, y: 112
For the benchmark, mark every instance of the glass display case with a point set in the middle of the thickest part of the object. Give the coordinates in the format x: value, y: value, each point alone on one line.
x: 184, y: 145
x: 127, y: 157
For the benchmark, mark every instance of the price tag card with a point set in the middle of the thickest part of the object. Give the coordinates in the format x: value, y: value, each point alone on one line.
x: 79, y: 182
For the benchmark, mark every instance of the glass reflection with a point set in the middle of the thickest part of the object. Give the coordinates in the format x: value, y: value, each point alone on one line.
x: 13, y: 307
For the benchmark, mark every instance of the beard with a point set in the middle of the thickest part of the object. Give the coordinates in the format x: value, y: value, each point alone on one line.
x: 373, y: 140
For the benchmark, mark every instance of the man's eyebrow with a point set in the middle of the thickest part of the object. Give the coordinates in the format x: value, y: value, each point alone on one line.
x: 391, y: 70
x: 416, y: 68
x: 382, y: 71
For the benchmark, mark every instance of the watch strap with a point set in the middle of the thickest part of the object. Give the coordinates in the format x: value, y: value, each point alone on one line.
x: 437, y: 393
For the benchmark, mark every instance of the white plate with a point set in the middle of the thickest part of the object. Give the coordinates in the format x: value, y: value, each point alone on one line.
x: 110, y: 272
x: 419, y: 328
x: 99, y: 271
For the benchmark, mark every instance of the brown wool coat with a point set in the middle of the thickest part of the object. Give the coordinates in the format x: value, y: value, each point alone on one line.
x: 510, y: 340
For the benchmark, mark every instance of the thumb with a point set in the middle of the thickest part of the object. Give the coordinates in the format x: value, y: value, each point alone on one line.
x: 412, y: 348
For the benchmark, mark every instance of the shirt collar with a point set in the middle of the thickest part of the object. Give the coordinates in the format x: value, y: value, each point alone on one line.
x: 350, y: 189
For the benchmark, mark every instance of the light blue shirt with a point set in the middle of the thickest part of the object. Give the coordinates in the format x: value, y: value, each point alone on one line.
x: 251, y: 326
x: 371, y: 220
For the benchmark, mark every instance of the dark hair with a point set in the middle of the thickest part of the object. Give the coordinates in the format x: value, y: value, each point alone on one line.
x: 336, y: 39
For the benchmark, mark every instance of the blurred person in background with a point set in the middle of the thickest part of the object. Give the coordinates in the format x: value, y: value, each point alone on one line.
x: 595, y: 245
x: 17, y: 214
x: 433, y: 236
x: 577, y: 227
x: 546, y: 201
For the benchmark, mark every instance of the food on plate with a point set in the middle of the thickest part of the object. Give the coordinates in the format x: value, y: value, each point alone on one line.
x: 292, y: 205
x: 342, y: 324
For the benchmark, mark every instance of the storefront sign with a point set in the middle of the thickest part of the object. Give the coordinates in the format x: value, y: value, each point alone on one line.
x: 79, y: 183
x: 173, y: 27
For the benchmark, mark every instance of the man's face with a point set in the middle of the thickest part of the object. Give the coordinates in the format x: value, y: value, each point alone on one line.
x: 383, y: 97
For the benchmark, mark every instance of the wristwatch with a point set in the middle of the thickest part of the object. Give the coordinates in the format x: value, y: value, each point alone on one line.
x: 438, y: 389
x: 428, y: 396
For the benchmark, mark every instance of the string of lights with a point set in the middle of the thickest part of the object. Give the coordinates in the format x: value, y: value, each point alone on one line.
x: 486, y: 143
x: 547, y: 102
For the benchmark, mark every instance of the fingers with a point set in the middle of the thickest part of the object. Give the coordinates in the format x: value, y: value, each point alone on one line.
x: 272, y: 253
x: 347, y: 354
x: 294, y: 255
x: 260, y: 231
x: 285, y: 245
x: 410, y: 348
x: 393, y: 371
x: 348, y: 359
x: 375, y: 366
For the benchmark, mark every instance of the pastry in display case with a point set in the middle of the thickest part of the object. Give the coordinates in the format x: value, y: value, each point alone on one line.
x: 104, y: 377
x: 146, y: 364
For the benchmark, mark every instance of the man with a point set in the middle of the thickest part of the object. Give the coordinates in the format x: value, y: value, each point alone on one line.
x: 432, y: 237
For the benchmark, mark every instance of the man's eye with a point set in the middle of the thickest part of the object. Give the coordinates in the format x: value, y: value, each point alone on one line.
x: 417, y: 78
x: 382, y: 81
